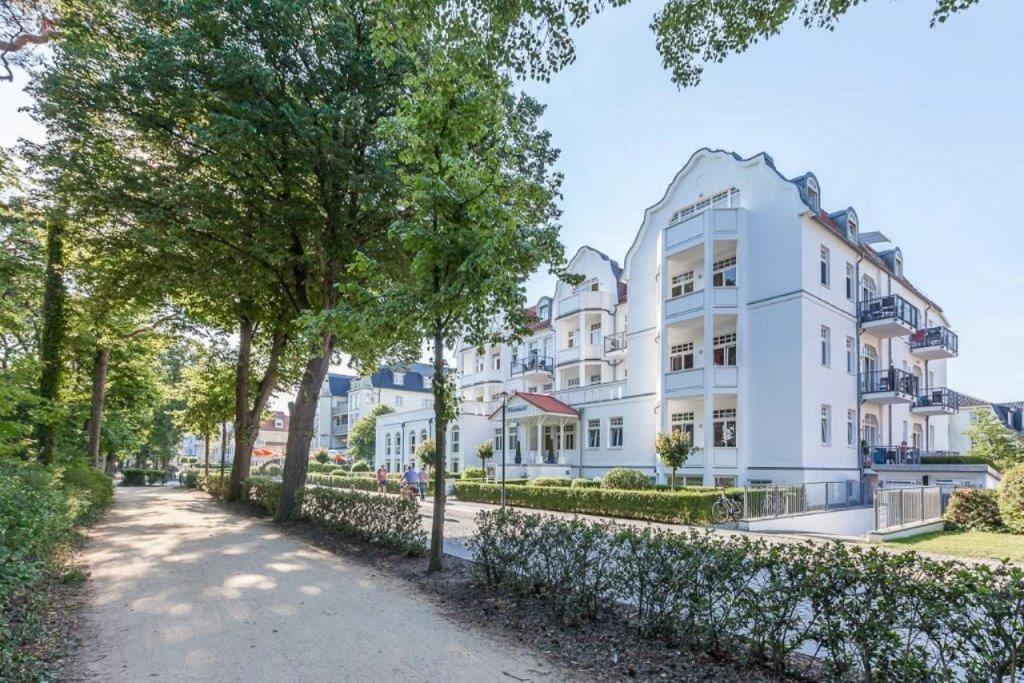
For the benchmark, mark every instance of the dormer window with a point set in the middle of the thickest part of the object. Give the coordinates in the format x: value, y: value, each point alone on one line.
x: 542, y: 311
x: 897, y: 263
x: 399, y: 378
x: 851, y: 223
x: 813, y: 195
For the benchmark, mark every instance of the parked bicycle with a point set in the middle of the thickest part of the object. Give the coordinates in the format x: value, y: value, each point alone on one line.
x: 726, y: 509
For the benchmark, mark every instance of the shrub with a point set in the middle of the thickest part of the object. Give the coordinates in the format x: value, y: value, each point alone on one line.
x: 550, y: 481
x: 585, y: 484
x: 657, y: 506
x: 143, y: 477
x: 472, y: 473
x: 1011, y: 499
x: 861, y: 615
x: 90, y: 493
x: 627, y: 479
x: 321, y: 455
x: 189, y: 479
x: 388, y: 521
x: 214, y: 484
x: 361, y: 466
x: 264, y: 493
x: 974, y: 509
x: 956, y: 460
x: 350, y: 482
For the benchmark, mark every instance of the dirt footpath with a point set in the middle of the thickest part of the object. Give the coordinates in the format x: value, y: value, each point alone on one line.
x: 183, y: 590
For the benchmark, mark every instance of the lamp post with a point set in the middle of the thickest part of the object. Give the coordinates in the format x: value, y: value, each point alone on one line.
x: 504, y: 444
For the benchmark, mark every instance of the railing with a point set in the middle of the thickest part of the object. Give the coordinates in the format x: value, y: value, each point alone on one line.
x: 533, y: 364
x: 615, y: 342
x: 891, y: 307
x: 895, y: 455
x: 935, y: 336
x: 892, y: 379
x: 777, y: 500
x: 941, y: 397
x: 900, y: 507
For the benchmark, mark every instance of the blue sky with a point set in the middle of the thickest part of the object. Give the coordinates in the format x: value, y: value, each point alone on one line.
x: 919, y: 129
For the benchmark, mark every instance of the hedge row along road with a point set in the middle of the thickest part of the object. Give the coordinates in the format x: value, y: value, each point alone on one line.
x: 182, y: 589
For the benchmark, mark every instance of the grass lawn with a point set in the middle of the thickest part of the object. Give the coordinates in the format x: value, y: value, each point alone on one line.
x: 968, y: 544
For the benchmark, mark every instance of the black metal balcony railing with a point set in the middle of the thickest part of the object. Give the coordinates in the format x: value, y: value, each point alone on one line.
x: 891, y: 380
x: 891, y: 307
x: 939, y: 397
x: 615, y: 342
x: 533, y: 364
x: 896, y: 455
x: 935, y: 336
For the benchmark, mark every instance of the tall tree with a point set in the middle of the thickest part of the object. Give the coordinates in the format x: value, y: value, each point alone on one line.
x: 54, y: 331
x: 207, y: 394
x: 993, y: 441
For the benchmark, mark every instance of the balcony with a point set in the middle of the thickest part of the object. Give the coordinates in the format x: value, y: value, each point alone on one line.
x: 469, y: 379
x: 584, y: 301
x: 895, y: 455
x: 534, y: 366
x: 722, y: 223
x: 615, y: 343
x: 689, y: 382
x: 888, y: 386
x: 934, y: 343
x: 936, y: 402
x: 888, y: 316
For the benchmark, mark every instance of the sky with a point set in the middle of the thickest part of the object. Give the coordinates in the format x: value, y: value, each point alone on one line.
x: 918, y: 128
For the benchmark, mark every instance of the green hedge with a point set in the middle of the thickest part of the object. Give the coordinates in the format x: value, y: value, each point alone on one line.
x: 549, y: 481
x: 955, y: 460
x: 1011, y: 499
x: 976, y: 509
x: 214, y: 484
x: 585, y: 484
x: 857, y: 615
x: 657, y: 506
x: 140, y: 477
x: 189, y: 479
x: 264, y: 493
x: 626, y: 479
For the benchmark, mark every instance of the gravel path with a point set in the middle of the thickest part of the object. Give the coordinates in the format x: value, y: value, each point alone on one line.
x: 184, y: 590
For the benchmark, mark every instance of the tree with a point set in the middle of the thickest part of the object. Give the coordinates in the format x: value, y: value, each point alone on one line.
x: 485, y: 451
x: 426, y: 453
x: 207, y: 391
x: 692, y: 33
x: 673, y: 449
x: 362, y: 436
x: 992, y: 441
x: 23, y: 23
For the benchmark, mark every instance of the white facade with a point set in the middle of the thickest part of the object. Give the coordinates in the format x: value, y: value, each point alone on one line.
x: 769, y: 329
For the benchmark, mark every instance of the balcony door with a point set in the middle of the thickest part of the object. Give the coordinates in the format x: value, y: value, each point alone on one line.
x: 869, y: 430
x: 869, y: 359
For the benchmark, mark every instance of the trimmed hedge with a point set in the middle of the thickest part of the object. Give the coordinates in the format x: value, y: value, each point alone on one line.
x: 976, y: 509
x: 361, y: 466
x: 1011, y: 499
x: 214, y: 484
x: 472, y: 474
x: 264, y: 493
x: 140, y: 477
x: 189, y: 479
x: 585, y: 484
x: 549, y: 481
x: 956, y: 460
x: 863, y: 615
x: 657, y: 506
x: 625, y: 479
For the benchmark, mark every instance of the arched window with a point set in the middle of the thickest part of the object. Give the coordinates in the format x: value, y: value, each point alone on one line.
x: 387, y: 445
x: 423, y: 436
x: 398, y: 443
x: 412, y: 443
x: 869, y: 358
x: 867, y: 288
x: 813, y: 194
x: 869, y: 429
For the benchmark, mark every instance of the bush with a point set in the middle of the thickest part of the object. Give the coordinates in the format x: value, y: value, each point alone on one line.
x: 141, y: 477
x: 1011, y: 499
x: 585, y: 484
x: 90, y: 493
x: 626, y: 479
x: 860, y: 614
x: 656, y: 506
x: 472, y: 473
x: 189, y: 479
x: 956, y: 460
x: 214, y: 484
x: 388, y: 521
x: 349, y: 482
x: 264, y: 493
x: 361, y: 466
x: 976, y: 509
x: 550, y: 481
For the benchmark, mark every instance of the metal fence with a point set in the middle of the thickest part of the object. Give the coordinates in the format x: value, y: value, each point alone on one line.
x: 899, y: 507
x: 777, y: 500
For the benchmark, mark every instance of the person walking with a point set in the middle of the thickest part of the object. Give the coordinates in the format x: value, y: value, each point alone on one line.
x: 410, y: 482
x: 424, y: 479
x: 382, y: 480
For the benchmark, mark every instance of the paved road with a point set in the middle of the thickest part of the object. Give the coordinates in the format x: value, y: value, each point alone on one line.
x: 183, y: 590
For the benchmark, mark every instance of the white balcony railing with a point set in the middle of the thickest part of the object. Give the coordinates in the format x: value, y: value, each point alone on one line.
x: 723, y: 223
x: 684, y: 380
x: 681, y: 305
x: 584, y: 301
x: 589, y: 394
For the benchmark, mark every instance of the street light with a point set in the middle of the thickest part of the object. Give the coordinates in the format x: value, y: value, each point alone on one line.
x: 504, y: 443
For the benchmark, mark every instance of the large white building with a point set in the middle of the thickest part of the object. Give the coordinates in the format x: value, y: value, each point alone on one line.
x: 782, y: 337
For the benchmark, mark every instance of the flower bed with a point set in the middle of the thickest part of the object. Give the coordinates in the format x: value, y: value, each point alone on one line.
x: 862, y: 614
x: 657, y: 506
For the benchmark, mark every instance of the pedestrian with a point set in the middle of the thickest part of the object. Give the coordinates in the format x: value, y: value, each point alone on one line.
x: 424, y: 479
x: 382, y: 480
x: 411, y: 477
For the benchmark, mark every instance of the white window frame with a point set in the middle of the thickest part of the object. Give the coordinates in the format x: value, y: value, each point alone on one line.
x: 569, y: 437
x: 387, y: 445
x: 683, y: 422
x: 594, y: 379
x: 399, y: 401
x: 813, y: 195
x: 398, y: 378
x: 573, y: 335
x: 572, y: 382
x: 615, y: 432
x: 725, y: 417
x: 496, y: 361
x: 851, y: 428
x: 826, y: 424
x: 825, y: 269
x: 455, y: 439
x: 726, y: 343
x: 826, y: 346
x: 593, y: 434
x: 851, y: 278
x: 595, y: 339
x: 720, y: 268
x: 680, y: 352
x: 681, y: 284
x: 851, y: 355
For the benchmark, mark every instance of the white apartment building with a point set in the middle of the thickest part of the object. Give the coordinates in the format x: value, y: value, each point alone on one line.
x: 780, y: 336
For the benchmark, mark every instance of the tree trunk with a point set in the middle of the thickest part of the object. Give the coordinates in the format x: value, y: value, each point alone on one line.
x: 206, y: 453
x: 673, y: 478
x: 248, y: 409
x: 52, y: 336
x: 440, y: 432
x: 223, y: 446
x: 300, y: 431
x: 99, y: 389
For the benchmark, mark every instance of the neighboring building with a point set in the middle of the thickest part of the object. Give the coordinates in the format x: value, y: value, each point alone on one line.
x: 1010, y: 414
x: 777, y: 334
x: 273, y: 434
x: 345, y: 398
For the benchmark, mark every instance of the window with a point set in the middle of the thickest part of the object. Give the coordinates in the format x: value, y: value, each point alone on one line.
x: 826, y: 346
x: 826, y: 425
x: 423, y: 435
x: 813, y: 195
x: 455, y: 465
x: 588, y: 286
x: 615, y: 432
x: 573, y: 334
x: 851, y: 222
x: 595, y: 334
x: 725, y: 482
x: 724, y: 350
x: 398, y: 443
x: 573, y: 382
x: 906, y: 432
x: 569, y: 438
x: 917, y: 437
x: 898, y: 262
x: 542, y: 311
x: 850, y: 279
x: 867, y: 288
x: 826, y: 272
x: 931, y: 379
x: 387, y: 445
x: 412, y: 443
x: 593, y: 433
x: 513, y: 439
x: 720, y: 200
x: 724, y: 273
x: 724, y: 421
x: 851, y: 355
x: 531, y: 390
x: 680, y: 357
x: 399, y: 378
x: 682, y: 422
x: 515, y: 356
x: 497, y: 440
x: 426, y: 382
x: 681, y: 284
x: 455, y: 439
x: 399, y: 401
x: 549, y: 387
x: 278, y: 423
x: 851, y: 430
x: 595, y: 379
x: 479, y: 363
x: 496, y: 362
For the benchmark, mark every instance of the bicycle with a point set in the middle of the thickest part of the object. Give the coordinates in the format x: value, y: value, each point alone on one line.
x: 726, y: 509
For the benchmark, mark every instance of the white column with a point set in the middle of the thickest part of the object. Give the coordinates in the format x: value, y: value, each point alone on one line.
x: 708, y: 354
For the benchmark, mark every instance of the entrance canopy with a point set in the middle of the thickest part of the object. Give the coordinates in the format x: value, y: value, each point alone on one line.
x: 523, y: 405
x: 540, y: 430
